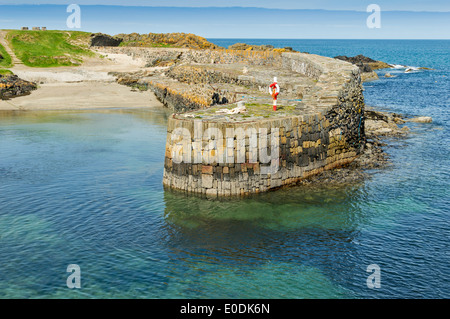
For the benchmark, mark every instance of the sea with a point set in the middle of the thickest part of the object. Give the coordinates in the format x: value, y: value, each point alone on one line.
x: 85, y: 188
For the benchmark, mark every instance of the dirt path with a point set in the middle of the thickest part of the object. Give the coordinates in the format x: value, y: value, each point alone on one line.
x: 5, y: 44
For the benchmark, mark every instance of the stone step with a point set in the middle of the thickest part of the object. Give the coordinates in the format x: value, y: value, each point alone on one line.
x: 15, y: 60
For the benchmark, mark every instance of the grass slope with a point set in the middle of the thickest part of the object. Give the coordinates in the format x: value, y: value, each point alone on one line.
x: 166, y: 40
x: 5, y: 72
x: 5, y: 61
x: 50, y: 48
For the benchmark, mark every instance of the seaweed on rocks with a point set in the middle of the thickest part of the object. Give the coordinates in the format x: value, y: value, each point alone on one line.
x: 11, y: 86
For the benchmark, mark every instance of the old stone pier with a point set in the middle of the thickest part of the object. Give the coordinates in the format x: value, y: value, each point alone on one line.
x: 223, y: 150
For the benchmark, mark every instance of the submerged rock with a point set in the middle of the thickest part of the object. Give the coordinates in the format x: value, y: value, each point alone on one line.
x: 421, y: 119
x: 383, y: 124
x: 369, y: 76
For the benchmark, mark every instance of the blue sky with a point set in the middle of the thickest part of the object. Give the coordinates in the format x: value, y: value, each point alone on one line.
x: 357, y: 5
x: 331, y: 19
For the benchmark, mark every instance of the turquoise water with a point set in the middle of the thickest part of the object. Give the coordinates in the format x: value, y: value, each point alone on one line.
x: 86, y: 188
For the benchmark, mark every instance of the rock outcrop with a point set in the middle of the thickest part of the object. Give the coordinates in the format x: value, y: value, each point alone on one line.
x: 366, y: 65
x: 104, y: 40
x: 355, y: 59
x: 249, y: 47
x: 12, y: 86
x: 174, y: 40
x: 378, y: 124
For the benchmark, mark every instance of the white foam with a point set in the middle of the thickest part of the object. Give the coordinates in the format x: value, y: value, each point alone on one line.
x: 398, y: 66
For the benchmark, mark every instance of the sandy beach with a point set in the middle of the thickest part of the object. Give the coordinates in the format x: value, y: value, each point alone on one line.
x: 84, y: 87
x: 82, y: 95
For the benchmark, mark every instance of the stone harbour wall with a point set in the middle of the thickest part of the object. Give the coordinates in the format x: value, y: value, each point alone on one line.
x: 326, y: 132
x: 154, y: 56
x: 283, y: 152
x: 328, y: 135
x: 334, y: 79
x: 181, y: 101
x: 192, y: 74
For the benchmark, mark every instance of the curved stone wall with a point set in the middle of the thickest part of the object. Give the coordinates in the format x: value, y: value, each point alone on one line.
x: 219, y: 158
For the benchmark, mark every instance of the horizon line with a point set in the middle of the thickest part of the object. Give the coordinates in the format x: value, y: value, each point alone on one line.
x: 315, y: 38
x: 218, y: 7
x: 219, y: 38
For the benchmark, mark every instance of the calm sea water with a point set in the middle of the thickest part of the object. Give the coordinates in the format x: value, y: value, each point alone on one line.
x: 86, y: 188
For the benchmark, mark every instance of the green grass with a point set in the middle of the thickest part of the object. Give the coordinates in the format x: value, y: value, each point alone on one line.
x: 50, y: 48
x: 6, y: 62
x: 266, y: 110
x: 253, y: 111
x: 140, y: 87
x: 78, y: 36
x: 5, y: 72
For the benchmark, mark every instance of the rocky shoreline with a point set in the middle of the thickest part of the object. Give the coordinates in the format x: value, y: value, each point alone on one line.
x: 380, y: 128
x: 12, y: 86
x: 266, y: 47
x: 180, y: 71
x: 366, y: 65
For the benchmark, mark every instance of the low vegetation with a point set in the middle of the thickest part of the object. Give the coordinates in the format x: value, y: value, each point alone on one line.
x: 50, y: 48
x: 5, y: 72
x: 166, y: 40
x: 5, y: 58
x: 253, y: 110
x: 268, y: 47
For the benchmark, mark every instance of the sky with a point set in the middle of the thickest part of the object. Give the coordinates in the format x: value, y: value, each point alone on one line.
x: 289, y: 19
x: 357, y: 5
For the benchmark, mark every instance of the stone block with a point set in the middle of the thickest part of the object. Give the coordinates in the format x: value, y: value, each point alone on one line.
x: 207, y: 181
x: 207, y: 169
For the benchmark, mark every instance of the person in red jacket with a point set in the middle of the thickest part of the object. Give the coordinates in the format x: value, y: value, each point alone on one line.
x: 274, y: 90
